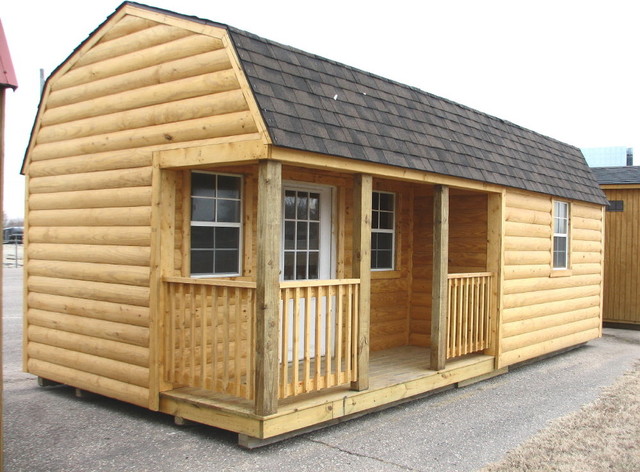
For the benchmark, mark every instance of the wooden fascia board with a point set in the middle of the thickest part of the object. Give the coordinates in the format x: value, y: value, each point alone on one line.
x: 240, y: 152
x: 620, y: 186
x: 247, y: 92
x: 342, y: 164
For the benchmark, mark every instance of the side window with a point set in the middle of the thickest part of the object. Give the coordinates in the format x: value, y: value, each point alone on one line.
x: 216, y: 203
x: 383, y: 231
x: 560, y: 235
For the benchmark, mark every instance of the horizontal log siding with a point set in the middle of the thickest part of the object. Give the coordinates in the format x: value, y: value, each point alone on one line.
x: 467, y: 252
x: 422, y: 253
x: 390, y: 290
x: 621, y: 265
x: 142, y: 87
x: 543, y: 312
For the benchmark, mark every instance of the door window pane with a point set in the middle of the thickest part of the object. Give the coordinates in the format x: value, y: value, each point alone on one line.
x: 303, y: 200
x: 302, y: 234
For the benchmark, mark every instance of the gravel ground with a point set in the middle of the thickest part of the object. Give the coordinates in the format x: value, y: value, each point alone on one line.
x: 457, y: 430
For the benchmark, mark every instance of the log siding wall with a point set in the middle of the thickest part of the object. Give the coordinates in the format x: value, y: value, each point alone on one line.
x: 544, y: 311
x: 140, y: 88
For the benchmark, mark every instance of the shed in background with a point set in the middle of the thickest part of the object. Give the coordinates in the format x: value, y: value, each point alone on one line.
x: 621, y: 185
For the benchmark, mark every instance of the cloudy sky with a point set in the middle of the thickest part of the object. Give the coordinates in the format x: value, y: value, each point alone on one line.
x: 567, y: 69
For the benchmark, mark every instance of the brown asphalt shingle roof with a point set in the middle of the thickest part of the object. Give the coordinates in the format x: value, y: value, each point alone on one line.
x: 314, y: 104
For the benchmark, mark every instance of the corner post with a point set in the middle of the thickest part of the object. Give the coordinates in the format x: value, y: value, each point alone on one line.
x: 269, y: 221
x: 440, y: 285
x: 362, y: 191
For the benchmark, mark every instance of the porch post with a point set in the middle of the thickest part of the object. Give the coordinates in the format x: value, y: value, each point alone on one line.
x: 362, y: 189
x: 439, y: 304
x: 268, y: 285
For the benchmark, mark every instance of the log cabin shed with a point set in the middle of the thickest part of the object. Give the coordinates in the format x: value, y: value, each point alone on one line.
x: 621, y: 301
x: 242, y: 234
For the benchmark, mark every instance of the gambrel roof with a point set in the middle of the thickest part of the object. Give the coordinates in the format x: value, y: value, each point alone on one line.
x: 313, y: 104
x: 619, y: 175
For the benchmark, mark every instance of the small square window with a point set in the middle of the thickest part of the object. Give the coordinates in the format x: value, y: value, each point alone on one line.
x: 615, y: 205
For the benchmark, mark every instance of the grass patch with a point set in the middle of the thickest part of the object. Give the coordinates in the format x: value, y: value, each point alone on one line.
x: 603, y: 435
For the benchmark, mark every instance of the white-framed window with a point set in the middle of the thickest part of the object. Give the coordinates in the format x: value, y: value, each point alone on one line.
x: 216, y: 228
x: 383, y: 231
x: 560, y: 235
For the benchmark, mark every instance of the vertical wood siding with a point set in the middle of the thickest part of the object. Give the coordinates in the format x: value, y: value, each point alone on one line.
x: 543, y: 312
x: 142, y: 87
x: 622, y: 261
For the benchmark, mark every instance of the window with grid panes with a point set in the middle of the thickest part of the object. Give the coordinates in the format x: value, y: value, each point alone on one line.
x: 560, y: 235
x: 216, y: 207
x: 383, y: 231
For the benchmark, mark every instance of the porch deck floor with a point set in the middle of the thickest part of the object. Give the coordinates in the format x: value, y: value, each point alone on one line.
x: 394, y: 375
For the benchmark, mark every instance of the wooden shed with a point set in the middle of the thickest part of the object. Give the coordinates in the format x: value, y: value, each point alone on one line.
x: 242, y: 234
x: 621, y: 300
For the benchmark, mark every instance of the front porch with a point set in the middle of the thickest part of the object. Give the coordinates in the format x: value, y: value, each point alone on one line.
x: 395, y: 375
x: 270, y: 352
x: 210, y: 353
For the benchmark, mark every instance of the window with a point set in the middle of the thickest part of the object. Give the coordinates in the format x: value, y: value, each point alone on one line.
x: 615, y: 205
x: 383, y: 231
x: 560, y: 235
x: 215, y: 224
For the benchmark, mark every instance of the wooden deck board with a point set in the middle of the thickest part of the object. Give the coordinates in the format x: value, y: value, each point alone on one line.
x: 395, y: 375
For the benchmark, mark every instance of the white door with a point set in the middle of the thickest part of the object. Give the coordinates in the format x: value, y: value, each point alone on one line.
x: 307, y: 253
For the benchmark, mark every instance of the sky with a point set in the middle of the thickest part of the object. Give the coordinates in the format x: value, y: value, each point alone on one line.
x: 567, y: 69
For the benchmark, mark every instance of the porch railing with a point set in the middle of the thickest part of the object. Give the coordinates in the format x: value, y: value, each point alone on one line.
x: 469, y: 316
x: 318, y: 339
x: 210, y: 335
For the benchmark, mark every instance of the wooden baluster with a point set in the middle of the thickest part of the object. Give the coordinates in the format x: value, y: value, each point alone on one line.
x: 318, y: 338
x: 215, y: 358
x: 203, y: 331
x: 296, y: 341
x: 284, y: 344
x: 338, y: 339
x: 307, y: 338
x: 172, y: 325
x: 225, y: 338
x: 238, y: 341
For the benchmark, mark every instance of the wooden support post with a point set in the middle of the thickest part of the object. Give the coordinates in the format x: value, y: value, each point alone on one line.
x: 269, y: 221
x: 362, y: 270
x: 495, y: 263
x: 163, y: 211
x: 440, y: 283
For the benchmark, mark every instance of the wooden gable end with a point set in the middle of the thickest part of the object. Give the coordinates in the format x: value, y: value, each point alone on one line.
x: 144, y: 80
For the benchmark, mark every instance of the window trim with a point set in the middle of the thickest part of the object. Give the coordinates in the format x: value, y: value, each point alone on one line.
x: 566, y: 236
x: 214, y: 224
x: 391, y: 231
